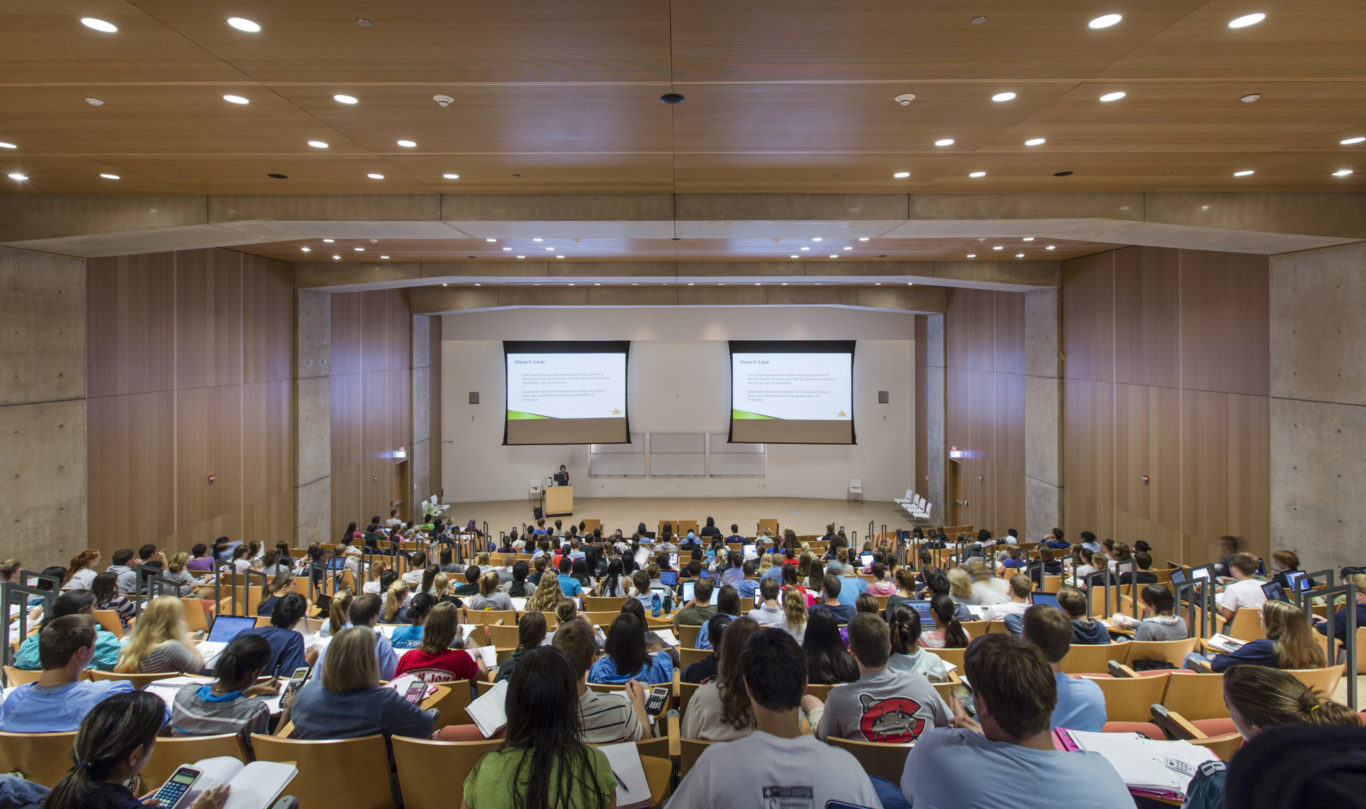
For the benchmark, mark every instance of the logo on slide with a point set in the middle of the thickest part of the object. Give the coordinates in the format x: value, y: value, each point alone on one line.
x: 890, y: 720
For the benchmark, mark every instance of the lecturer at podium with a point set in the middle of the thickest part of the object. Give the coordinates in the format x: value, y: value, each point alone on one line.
x: 562, y: 477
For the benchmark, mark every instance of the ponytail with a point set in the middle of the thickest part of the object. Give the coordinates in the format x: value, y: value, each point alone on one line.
x: 1266, y: 697
x: 109, y: 734
x: 944, y: 608
x: 243, y: 658
x: 82, y: 560
x: 338, y: 613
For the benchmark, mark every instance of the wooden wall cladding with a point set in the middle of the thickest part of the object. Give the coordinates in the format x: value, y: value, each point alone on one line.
x: 371, y: 401
x: 1166, y: 375
x: 984, y: 414
x: 189, y: 371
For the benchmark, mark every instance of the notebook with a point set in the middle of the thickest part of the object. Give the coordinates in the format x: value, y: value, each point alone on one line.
x: 250, y: 786
x: 489, y: 711
x: 633, y: 791
x: 1155, y: 769
x: 1224, y: 643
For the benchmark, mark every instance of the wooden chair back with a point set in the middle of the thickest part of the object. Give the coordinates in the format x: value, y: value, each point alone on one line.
x: 503, y: 636
x: 885, y: 760
x: 820, y: 692
x: 1129, y: 699
x: 487, y: 617
x: 171, y: 752
x: 686, y: 656
x: 1324, y: 679
x: 15, y: 676
x: 139, y: 681
x: 1361, y: 658
x: 1171, y: 651
x: 109, y: 621
x: 1094, y: 658
x: 601, y: 617
x: 43, y: 758
x: 325, y: 780
x: 450, y: 700
x: 431, y: 774
x: 1247, y: 625
x: 689, y: 751
x: 687, y: 636
x: 1195, y: 696
x: 997, y: 627
x: 975, y: 629
x: 197, y: 612
x: 954, y: 656
x: 771, y: 525
x: 658, y: 774
x: 685, y: 694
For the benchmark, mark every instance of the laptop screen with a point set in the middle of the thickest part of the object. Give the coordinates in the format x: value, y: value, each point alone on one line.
x: 668, y: 577
x: 1297, y: 579
x: 1178, y: 577
x: 922, y: 608
x: 866, y: 559
x: 688, y: 592
x: 1049, y: 599
x: 673, y: 561
x: 227, y: 627
x: 1200, y: 573
x: 336, y: 563
x: 1274, y: 592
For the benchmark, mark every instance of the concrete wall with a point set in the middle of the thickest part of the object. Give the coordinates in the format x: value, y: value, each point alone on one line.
x: 42, y: 407
x: 678, y: 382
x: 1318, y: 404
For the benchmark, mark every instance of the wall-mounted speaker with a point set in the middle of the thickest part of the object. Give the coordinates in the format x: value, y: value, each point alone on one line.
x: 474, y: 397
x: 884, y: 397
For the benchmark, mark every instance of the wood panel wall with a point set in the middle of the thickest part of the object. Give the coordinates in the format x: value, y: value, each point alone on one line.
x: 985, y: 405
x: 1167, y: 363
x: 371, y: 401
x: 188, y: 375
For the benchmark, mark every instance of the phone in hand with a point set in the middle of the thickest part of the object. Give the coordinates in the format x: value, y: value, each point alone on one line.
x: 173, y: 793
x: 654, y: 703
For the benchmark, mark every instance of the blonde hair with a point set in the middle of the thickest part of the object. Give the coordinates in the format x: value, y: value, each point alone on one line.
x: 393, y: 600
x: 765, y: 561
x: 350, y: 664
x: 1289, y: 632
x: 441, y: 628
x: 488, y: 583
x: 339, y: 611
x: 441, y: 583
x: 794, y: 609
x: 566, y: 610
x: 483, y: 559
x: 162, y: 620
x: 547, y: 593
x: 960, y: 583
x: 177, y: 563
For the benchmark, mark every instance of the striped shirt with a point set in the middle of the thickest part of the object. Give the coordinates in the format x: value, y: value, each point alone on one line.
x: 197, y: 711
x: 608, y: 718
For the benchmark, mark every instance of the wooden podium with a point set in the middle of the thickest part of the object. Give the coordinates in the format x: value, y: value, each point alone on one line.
x: 559, y: 501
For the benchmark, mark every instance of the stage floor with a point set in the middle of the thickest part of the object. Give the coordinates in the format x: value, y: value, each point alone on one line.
x: 805, y: 516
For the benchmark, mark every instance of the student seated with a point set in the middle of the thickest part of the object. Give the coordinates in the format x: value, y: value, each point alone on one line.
x: 364, y: 611
x: 570, y: 587
x: 1339, y: 623
x: 907, y: 656
x: 1143, y: 575
x: 720, y: 709
x: 1259, y: 698
x: 286, y: 644
x: 531, y: 632
x: 434, y: 661
x: 542, y: 761
x: 699, y: 610
x: 1020, y: 589
x: 770, y: 613
x: 777, y: 758
x: 728, y: 604
x: 883, y: 705
x: 160, y: 641
x: 58, y: 702
x: 71, y: 602
x: 410, y: 637
x: 347, y: 700
x: 1160, y: 621
x: 1080, y: 702
x: 1085, y: 629
x: 1008, y: 750
x: 613, y: 716
x: 280, y: 586
x: 1245, y: 591
x: 1289, y: 643
x: 709, y: 666
x: 831, y: 586
x: 113, y: 745
x: 225, y: 705
x: 626, y: 658
x: 827, y: 661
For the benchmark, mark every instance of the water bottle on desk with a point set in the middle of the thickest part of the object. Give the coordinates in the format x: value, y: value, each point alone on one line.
x: 654, y: 605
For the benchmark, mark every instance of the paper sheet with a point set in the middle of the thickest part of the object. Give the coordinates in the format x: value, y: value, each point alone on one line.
x: 489, y: 711
x: 633, y: 790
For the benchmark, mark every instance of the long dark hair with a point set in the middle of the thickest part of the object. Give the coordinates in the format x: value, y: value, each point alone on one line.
x: 543, y: 718
x: 242, y: 660
x: 736, y: 710
x: 531, y: 630
x: 346, y: 537
x: 611, y: 583
x: 906, y: 628
x: 104, y: 587
x: 626, y: 643
x: 945, y: 613
x: 109, y: 734
x: 519, y: 573
x: 827, y: 661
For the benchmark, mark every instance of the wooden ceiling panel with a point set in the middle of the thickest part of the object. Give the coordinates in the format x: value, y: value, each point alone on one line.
x: 896, y: 40
x: 433, y: 40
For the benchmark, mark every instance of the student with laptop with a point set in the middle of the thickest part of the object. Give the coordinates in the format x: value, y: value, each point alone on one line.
x: 728, y: 604
x: 1339, y: 623
x: 58, y: 701
x: 698, y: 609
x: 907, y: 656
x: 1244, y: 591
x: 286, y: 643
x: 160, y: 641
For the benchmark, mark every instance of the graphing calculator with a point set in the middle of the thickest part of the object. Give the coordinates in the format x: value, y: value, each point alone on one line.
x: 655, y: 702
x: 173, y: 793
x: 416, y: 692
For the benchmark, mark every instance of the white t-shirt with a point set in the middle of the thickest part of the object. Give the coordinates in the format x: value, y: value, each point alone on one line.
x: 1245, y: 594
x: 764, y: 771
x: 997, y: 612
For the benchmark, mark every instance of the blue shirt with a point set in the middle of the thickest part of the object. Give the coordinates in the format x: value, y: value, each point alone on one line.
x: 286, y: 648
x: 1260, y: 652
x: 1081, y: 705
x: 704, y: 636
x: 569, y: 585
x: 406, y: 637
x: 55, y: 709
x: 384, y: 656
x: 657, y: 669
x: 321, y: 714
x: 775, y: 572
x: 107, y: 650
x: 747, y: 588
x: 851, y: 589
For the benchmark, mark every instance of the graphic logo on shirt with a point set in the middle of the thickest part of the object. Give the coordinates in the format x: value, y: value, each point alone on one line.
x: 792, y: 797
x: 433, y: 675
x: 890, y: 720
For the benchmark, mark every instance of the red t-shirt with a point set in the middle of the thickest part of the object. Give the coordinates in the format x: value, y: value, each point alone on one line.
x: 448, y: 665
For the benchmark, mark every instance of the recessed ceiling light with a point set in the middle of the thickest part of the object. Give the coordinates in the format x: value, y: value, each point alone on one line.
x: 877, y: 283
x: 109, y: 176
x: 407, y: 144
x: 374, y: 176
x: 1006, y: 96
x: 384, y: 257
x: 978, y: 20
x: 944, y: 142
x: 999, y: 247
x: 318, y: 144
x: 977, y: 174
x: 328, y: 241
x: 1019, y: 255
x: 244, y: 24
x: 359, y: 249
x: 817, y: 238
x: 1246, y: 20
x: 756, y: 283
x: 972, y: 255
x: 834, y: 255
x: 1344, y: 142
x: 1029, y: 238
x: 18, y: 176
x: 5, y: 145
x: 521, y: 257
x: 450, y: 176
x: 106, y: 27
x: 848, y: 248
x: 901, y: 175
x: 1244, y: 173
x: 537, y: 239
x: 445, y: 285
x: 804, y: 249
x: 364, y: 23
x: 1104, y: 21
x: 1035, y: 142
x: 560, y: 256
x: 305, y: 249
x: 336, y: 258
x: 794, y: 255
x: 1051, y: 247
x: 1342, y: 173
x: 1250, y: 98
x: 863, y: 238
x: 235, y: 99
x: 343, y: 98
x: 550, y: 249
x: 94, y: 102
x: 1115, y: 96
x: 490, y: 241
x: 507, y: 249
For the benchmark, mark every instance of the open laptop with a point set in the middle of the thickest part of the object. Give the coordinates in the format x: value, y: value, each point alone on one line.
x: 227, y: 627
x: 668, y: 577
x: 1274, y: 591
x: 1047, y: 599
x: 866, y: 559
x: 922, y: 608
x: 336, y: 564
x: 1296, y: 580
x: 688, y: 588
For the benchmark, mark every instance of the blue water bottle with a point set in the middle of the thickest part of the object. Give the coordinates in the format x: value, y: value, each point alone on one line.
x: 654, y: 605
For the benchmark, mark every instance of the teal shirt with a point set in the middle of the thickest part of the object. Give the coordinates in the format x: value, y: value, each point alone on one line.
x: 107, y: 648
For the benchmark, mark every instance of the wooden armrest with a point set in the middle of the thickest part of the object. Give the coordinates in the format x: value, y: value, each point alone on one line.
x: 675, y: 734
x: 284, y: 732
x: 1174, y: 724
x: 1121, y: 670
x: 677, y: 689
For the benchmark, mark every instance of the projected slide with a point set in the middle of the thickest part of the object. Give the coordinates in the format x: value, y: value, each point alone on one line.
x: 566, y: 393
x: 798, y: 392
